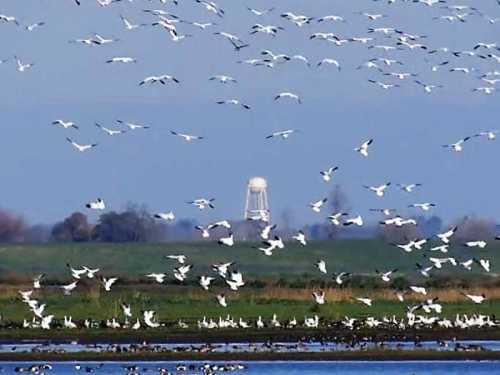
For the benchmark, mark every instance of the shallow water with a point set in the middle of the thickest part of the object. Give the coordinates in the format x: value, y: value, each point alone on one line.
x: 290, y: 368
x: 241, y: 347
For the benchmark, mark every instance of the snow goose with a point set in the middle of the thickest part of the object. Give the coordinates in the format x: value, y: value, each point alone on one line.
x: 110, y: 132
x: 316, y: 206
x: 321, y: 264
x: 284, y: 134
x: 227, y: 241
x: 328, y: 173
x: 108, y: 283
x: 80, y: 147
x: 363, y: 149
x: 300, y: 237
x: 319, y: 297
x: 457, y: 146
x: 64, y: 124
x: 288, y: 95
x: 378, y: 190
x: 98, y: 204
x: 357, y: 220
x: 234, y: 102
x: 165, y: 216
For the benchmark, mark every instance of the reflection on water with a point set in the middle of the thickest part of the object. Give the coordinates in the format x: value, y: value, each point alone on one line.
x: 271, y: 368
x: 247, y: 347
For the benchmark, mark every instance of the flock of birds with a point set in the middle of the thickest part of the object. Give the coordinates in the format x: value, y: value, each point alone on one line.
x: 204, y: 368
x: 390, y: 46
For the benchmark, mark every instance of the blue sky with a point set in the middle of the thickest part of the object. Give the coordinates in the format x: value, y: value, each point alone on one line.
x: 45, y: 179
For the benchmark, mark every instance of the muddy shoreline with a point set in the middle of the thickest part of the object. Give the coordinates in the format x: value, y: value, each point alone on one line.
x: 246, y: 336
x: 365, y: 355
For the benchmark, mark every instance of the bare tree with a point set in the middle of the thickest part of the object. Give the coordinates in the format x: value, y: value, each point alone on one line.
x: 474, y: 229
x: 12, y: 227
x: 338, y: 202
x: 74, y: 228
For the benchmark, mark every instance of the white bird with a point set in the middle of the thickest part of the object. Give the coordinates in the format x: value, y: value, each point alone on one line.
x: 316, y: 206
x: 220, y: 223
x: 357, y: 220
x: 165, y: 216
x: 484, y: 263
x: 386, y: 276
x: 457, y: 146
x: 221, y: 299
x: 441, y: 248
x: 64, y: 124
x: 339, y: 278
x: 22, y: 67
x: 445, y: 236
x: 223, y: 79
x: 284, y: 134
x: 132, y: 126
x: 227, y: 241
x: 181, y: 259
x: 418, y: 289
x: 110, y: 132
x: 107, y: 283
x: 385, y: 86
x: 478, y: 299
x: 260, y: 12
x: 330, y: 62
x: 180, y: 273
x: 321, y: 264
x: 423, y: 206
x: 121, y: 59
x: 409, y: 187
x: 161, y: 79
x: 328, y: 173
x: 490, y: 135
x: 81, y: 148
x: 363, y: 149
x: 91, y: 272
x: 98, y: 204
x: 158, y: 277
x: 467, y: 264
x: 205, y: 233
x: 8, y: 19
x: 101, y: 41
x: 33, y: 26
x: 335, y: 217
x: 149, y: 319
x: 333, y: 18
x: 300, y: 237
x: 68, y: 288
x: 366, y: 301
x: 266, y: 231
x: 37, y: 280
x: 378, y: 190
x: 288, y: 95
x: 129, y: 25
x: 319, y: 297
x: 186, y: 137
x: 428, y: 88
x: 480, y: 244
x: 234, y: 102
x: 222, y: 269
x: 202, y: 203
x: 205, y: 282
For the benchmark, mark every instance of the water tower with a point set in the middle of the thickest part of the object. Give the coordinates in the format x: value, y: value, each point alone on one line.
x: 257, y: 206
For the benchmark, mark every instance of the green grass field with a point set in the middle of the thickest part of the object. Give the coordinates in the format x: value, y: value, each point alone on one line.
x: 289, y: 277
x: 133, y: 261
x: 172, y: 303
